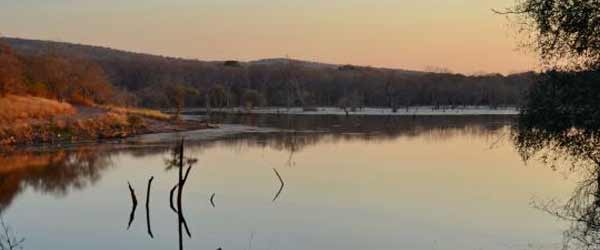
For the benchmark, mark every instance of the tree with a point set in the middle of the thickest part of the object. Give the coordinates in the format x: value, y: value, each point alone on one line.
x: 232, y: 63
x: 252, y: 98
x: 564, y: 32
x: 54, y: 71
x: 560, y: 119
x: 391, y: 92
x: 11, y: 71
x: 176, y: 94
x: 217, y: 96
x: 350, y: 102
x: 61, y: 73
x: 560, y: 125
x: 88, y: 83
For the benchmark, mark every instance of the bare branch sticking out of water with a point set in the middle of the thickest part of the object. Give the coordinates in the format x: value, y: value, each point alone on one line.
x: 148, y: 207
x: 171, y: 198
x: 187, y: 173
x: 250, y: 240
x: 185, y: 225
x: 212, y: 200
x: 134, y: 203
x: 187, y: 230
x: 7, y: 240
x: 280, y: 187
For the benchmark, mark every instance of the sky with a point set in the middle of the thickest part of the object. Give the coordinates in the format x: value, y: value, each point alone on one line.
x: 463, y: 36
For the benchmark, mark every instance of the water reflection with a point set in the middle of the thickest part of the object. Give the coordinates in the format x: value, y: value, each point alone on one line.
x: 373, y: 126
x: 555, y: 137
x: 300, y: 131
x: 62, y: 171
x: 59, y: 171
x: 55, y: 172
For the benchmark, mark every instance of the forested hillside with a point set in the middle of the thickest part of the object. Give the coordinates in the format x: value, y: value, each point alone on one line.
x: 157, y: 81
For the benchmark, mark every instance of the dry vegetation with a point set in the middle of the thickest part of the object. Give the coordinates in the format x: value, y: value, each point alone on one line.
x: 31, y: 120
x: 18, y: 108
x: 52, y: 98
x: 147, y: 113
x: 71, y: 128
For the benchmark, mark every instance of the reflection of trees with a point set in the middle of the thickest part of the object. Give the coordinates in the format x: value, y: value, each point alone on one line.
x: 59, y: 171
x: 302, y: 131
x: 582, y: 210
x: 560, y: 124
x: 53, y: 172
x: 562, y: 115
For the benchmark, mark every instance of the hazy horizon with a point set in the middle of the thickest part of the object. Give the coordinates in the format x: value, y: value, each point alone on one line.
x: 464, y: 36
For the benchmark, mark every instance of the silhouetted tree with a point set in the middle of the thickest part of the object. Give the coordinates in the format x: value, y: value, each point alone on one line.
x: 560, y: 123
x: 563, y: 31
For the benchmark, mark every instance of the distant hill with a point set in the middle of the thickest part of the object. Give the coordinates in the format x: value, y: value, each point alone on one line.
x: 282, y: 81
x: 37, y: 47
x: 310, y: 64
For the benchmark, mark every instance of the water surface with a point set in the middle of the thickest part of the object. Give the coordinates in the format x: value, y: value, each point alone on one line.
x: 350, y: 183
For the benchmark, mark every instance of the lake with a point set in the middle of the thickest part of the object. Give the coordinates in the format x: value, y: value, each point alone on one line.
x: 349, y: 183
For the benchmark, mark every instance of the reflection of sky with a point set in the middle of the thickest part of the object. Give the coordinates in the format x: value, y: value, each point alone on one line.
x: 406, y: 193
x: 463, y: 35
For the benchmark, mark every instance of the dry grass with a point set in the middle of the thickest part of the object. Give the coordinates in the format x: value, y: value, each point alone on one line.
x: 106, y: 125
x: 26, y: 119
x: 29, y: 120
x: 147, y: 113
x: 16, y: 108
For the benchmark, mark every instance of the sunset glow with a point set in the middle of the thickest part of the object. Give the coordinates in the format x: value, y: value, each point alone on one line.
x: 461, y: 35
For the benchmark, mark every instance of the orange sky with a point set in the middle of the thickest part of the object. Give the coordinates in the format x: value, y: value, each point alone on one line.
x: 462, y: 35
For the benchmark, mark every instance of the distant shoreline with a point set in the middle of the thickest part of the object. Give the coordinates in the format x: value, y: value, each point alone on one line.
x: 367, y: 111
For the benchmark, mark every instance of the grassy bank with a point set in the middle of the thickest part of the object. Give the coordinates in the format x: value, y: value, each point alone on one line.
x: 25, y: 108
x: 35, y: 120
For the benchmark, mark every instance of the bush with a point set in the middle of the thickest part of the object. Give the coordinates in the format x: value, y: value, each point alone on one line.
x: 135, y: 121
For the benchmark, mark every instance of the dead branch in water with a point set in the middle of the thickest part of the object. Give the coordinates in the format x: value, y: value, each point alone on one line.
x: 134, y: 203
x: 185, y: 226
x: 179, y: 208
x: 148, y: 207
x: 7, y: 240
x: 280, y: 187
x: 187, y: 173
x: 212, y: 200
x: 180, y: 185
x: 172, y: 192
x: 171, y: 198
x: 179, y: 181
x: 177, y: 212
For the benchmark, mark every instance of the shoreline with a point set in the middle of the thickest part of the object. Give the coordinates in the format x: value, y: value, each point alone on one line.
x: 367, y: 111
x: 68, y: 133
x: 151, y: 139
x: 46, y: 137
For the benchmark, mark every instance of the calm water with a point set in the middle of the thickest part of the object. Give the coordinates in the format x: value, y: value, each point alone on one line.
x: 356, y: 183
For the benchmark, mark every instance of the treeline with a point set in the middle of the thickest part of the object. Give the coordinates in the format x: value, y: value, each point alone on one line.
x: 59, y: 77
x: 293, y: 84
x: 560, y: 101
x: 155, y: 80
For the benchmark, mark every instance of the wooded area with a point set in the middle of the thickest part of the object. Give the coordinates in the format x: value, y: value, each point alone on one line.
x: 78, y: 73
